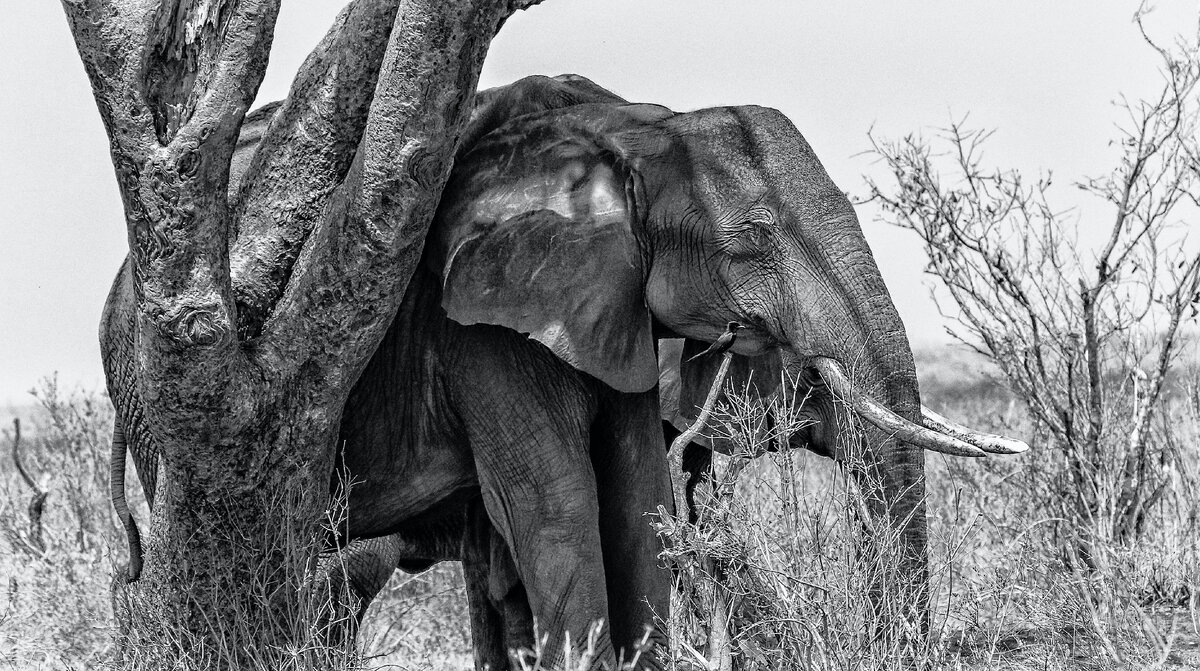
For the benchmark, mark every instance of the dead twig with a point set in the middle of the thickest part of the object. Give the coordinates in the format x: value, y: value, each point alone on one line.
x: 720, y: 641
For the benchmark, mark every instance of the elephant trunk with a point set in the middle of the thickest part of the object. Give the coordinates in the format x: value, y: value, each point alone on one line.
x: 857, y: 343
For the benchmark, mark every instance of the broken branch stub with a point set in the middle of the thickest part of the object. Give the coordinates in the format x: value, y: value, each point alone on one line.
x: 679, y: 477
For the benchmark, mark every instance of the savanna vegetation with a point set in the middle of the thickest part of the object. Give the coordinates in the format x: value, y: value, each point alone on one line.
x: 785, y: 532
x: 1082, y: 553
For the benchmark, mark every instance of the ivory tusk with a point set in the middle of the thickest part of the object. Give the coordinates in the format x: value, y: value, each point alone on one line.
x: 875, y: 412
x: 988, y: 442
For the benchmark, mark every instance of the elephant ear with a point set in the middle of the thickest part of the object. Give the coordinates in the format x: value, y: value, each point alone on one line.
x: 535, y: 233
x: 684, y: 385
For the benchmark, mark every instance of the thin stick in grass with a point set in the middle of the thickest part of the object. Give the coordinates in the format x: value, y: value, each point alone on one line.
x: 720, y: 644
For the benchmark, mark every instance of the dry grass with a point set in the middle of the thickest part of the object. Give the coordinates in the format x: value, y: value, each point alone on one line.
x: 56, y: 610
x: 793, y: 556
x: 1017, y: 597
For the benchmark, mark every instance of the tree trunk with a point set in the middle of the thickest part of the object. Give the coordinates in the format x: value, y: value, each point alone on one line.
x: 243, y: 412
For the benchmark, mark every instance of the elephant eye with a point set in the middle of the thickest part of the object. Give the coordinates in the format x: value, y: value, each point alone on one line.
x: 751, y: 231
x: 745, y: 233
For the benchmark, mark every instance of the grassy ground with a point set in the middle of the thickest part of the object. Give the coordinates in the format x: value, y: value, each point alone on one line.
x: 790, y: 543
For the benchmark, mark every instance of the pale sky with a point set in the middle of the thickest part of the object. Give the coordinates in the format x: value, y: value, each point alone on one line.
x: 1043, y: 73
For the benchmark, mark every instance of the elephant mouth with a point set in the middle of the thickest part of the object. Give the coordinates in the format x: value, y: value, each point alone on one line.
x: 935, y: 433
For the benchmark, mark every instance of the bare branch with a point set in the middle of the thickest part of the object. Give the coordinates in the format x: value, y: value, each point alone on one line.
x: 16, y: 456
x: 1070, y: 334
x: 37, y: 502
x: 304, y: 155
x: 109, y: 37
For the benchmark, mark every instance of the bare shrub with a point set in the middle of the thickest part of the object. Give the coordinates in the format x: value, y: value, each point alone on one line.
x: 785, y: 563
x: 1086, y: 336
x: 809, y: 583
x: 1018, y: 600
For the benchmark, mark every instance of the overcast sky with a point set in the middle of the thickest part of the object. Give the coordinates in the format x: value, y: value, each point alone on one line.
x: 1043, y: 73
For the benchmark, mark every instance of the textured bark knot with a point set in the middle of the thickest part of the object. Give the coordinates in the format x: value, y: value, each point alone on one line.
x: 162, y: 179
x: 189, y: 163
x: 195, y: 327
x: 424, y: 168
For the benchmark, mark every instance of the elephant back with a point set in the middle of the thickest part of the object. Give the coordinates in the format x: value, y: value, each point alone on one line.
x: 497, y: 106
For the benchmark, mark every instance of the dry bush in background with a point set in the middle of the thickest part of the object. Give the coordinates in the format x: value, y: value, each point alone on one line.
x: 795, y: 560
x: 1020, y: 594
x: 1087, y: 336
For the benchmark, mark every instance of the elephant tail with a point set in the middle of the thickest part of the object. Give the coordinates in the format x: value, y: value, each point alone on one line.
x: 117, y: 490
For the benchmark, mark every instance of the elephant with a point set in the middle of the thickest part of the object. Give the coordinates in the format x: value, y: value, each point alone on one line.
x: 513, y: 406
x: 556, y: 223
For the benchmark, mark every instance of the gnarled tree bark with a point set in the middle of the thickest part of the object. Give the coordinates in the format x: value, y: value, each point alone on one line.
x: 252, y: 315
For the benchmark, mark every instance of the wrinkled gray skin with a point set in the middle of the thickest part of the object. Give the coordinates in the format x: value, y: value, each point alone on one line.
x: 594, y: 227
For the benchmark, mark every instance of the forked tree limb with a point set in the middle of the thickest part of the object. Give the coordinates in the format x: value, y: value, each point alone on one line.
x: 173, y: 184
x: 369, y: 241
x: 304, y: 156
x: 37, y: 503
x: 173, y: 173
x: 679, y: 477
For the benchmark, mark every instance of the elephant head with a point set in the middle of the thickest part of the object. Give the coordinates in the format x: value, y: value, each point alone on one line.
x: 596, y: 228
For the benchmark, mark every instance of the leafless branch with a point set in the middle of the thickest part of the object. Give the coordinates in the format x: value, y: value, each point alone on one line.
x: 37, y: 503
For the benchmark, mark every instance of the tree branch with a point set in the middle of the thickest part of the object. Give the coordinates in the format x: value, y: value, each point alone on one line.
x: 304, y: 155
x: 353, y: 271
x: 172, y: 83
x: 37, y: 502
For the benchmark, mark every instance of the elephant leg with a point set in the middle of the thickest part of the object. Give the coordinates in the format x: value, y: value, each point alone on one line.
x: 500, y: 616
x: 508, y: 596
x: 487, y: 624
x: 345, y: 583
x: 530, y: 444
x: 630, y: 461
x: 554, y: 535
